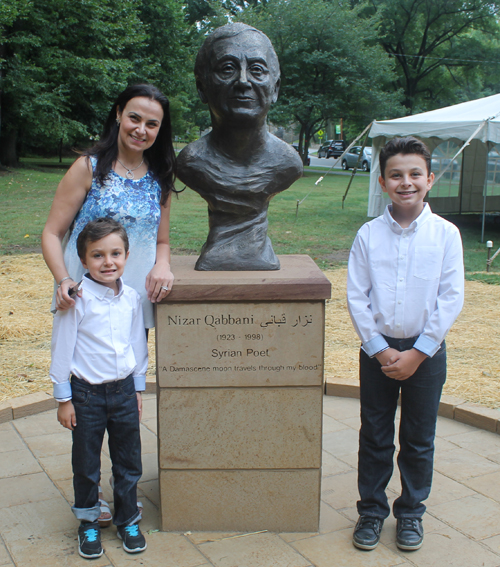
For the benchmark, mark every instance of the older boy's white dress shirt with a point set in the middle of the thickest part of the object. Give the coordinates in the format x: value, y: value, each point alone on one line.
x: 405, y: 282
x: 101, y: 339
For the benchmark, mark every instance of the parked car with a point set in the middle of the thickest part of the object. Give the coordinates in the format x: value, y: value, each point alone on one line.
x: 332, y: 148
x: 308, y: 159
x: 351, y: 158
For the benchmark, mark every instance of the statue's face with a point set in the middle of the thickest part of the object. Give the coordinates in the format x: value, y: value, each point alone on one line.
x: 242, y: 84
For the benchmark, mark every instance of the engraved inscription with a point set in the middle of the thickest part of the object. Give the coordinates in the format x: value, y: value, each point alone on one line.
x: 240, y: 343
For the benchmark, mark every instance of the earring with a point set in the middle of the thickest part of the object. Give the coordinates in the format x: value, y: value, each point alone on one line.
x: 118, y: 122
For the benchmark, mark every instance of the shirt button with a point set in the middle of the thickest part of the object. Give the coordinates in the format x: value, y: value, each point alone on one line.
x: 399, y: 301
x: 404, y: 235
x: 398, y: 325
x: 401, y: 279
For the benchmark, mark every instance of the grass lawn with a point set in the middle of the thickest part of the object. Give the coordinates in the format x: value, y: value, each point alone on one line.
x: 320, y: 228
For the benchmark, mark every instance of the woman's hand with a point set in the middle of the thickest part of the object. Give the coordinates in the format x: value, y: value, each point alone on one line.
x: 63, y: 300
x: 159, y: 282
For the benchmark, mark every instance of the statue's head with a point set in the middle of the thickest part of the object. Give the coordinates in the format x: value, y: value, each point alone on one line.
x: 237, y: 74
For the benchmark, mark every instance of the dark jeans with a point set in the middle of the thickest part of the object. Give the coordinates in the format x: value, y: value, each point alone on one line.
x: 420, y: 395
x: 111, y: 406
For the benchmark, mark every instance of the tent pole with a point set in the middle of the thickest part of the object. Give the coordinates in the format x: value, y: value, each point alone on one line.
x: 460, y: 191
x: 485, y: 191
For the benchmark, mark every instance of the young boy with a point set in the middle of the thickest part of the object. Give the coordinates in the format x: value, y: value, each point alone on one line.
x: 405, y: 289
x: 101, y: 343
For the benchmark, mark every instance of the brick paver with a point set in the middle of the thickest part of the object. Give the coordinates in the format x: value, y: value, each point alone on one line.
x: 462, y: 523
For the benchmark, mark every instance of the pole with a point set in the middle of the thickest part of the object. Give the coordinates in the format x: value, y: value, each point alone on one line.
x: 489, y: 246
x: 485, y: 191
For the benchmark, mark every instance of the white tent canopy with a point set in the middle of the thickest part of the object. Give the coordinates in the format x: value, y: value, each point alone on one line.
x: 479, y: 119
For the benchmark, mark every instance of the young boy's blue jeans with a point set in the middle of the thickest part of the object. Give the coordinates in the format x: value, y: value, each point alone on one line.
x: 111, y: 406
x: 420, y: 395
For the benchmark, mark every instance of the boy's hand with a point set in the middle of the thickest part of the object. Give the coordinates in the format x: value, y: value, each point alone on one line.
x: 404, y: 364
x: 66, y: 415
x: 387, y: 355
x: 139, y: 404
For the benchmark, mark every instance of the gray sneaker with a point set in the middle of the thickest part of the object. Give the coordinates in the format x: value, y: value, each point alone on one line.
x: 410, y: 534
x: 367, y: 532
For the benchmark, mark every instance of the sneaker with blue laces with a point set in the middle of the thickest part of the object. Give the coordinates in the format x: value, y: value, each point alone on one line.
x: 89, y: 540
x: 133, y: 540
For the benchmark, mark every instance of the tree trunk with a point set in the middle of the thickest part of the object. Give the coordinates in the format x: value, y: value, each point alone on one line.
x: 8, y: 148
x: 301, y: 143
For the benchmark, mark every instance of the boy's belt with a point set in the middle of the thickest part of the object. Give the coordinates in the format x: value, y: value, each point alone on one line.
x: 106, y: 386
x: 404, y: 344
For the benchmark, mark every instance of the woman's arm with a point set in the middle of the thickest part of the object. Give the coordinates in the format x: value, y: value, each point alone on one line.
x: 160, y: 276
x: 69, y: 197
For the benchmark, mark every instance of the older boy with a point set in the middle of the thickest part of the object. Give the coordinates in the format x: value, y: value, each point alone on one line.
x: 405, y: 289
x: 101, y: 344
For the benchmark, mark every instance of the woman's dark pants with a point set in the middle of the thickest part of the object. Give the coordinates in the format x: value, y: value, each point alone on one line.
x: 420, y: 395
x: 111, y: 406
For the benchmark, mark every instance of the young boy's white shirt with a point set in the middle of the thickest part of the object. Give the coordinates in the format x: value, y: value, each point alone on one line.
x: 407, y: 282
x: 101, y: 339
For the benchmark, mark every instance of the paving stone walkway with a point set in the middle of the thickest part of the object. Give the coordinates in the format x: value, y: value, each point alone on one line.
x: 462, y: 522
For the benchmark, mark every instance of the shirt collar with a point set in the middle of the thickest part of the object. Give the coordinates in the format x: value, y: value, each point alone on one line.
x: 422, y: 218
x: 101, y: 291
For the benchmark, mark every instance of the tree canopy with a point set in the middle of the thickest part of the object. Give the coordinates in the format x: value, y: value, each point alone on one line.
x: 63, y: 61
x: 430, y: 40
x: 331, y: 64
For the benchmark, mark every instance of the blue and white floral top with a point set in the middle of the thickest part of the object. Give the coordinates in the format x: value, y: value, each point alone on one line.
x: 136, y: 205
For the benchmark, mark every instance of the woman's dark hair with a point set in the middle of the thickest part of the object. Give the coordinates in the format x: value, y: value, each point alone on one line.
x: 405, y: 146
x: 97, y: 229
x: 160, y: 157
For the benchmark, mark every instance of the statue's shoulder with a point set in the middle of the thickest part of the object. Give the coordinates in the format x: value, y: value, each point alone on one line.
x: 192, y: 151
x: 285, y: 153
x: 195, y: 157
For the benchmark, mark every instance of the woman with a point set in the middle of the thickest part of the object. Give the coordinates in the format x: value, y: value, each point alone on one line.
x: 128, y: 176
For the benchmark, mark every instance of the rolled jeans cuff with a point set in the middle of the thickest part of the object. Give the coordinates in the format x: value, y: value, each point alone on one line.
x: 136, y: 518
x: 87, y: 514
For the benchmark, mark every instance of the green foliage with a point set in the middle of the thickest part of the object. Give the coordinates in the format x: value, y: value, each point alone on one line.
x: 62, y: 62
x: 165, y: 56
x: 475, y: 75
x: 331, y: 64
x: 430, y: 40
x: 207, y: 12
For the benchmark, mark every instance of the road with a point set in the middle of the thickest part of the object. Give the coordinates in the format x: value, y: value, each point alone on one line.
x: 324, y: 162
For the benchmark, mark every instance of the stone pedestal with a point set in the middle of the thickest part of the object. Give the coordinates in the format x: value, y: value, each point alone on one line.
x: 240, y: 389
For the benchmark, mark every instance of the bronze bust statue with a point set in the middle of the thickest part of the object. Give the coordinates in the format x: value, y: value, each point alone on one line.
x: 239, y: 166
